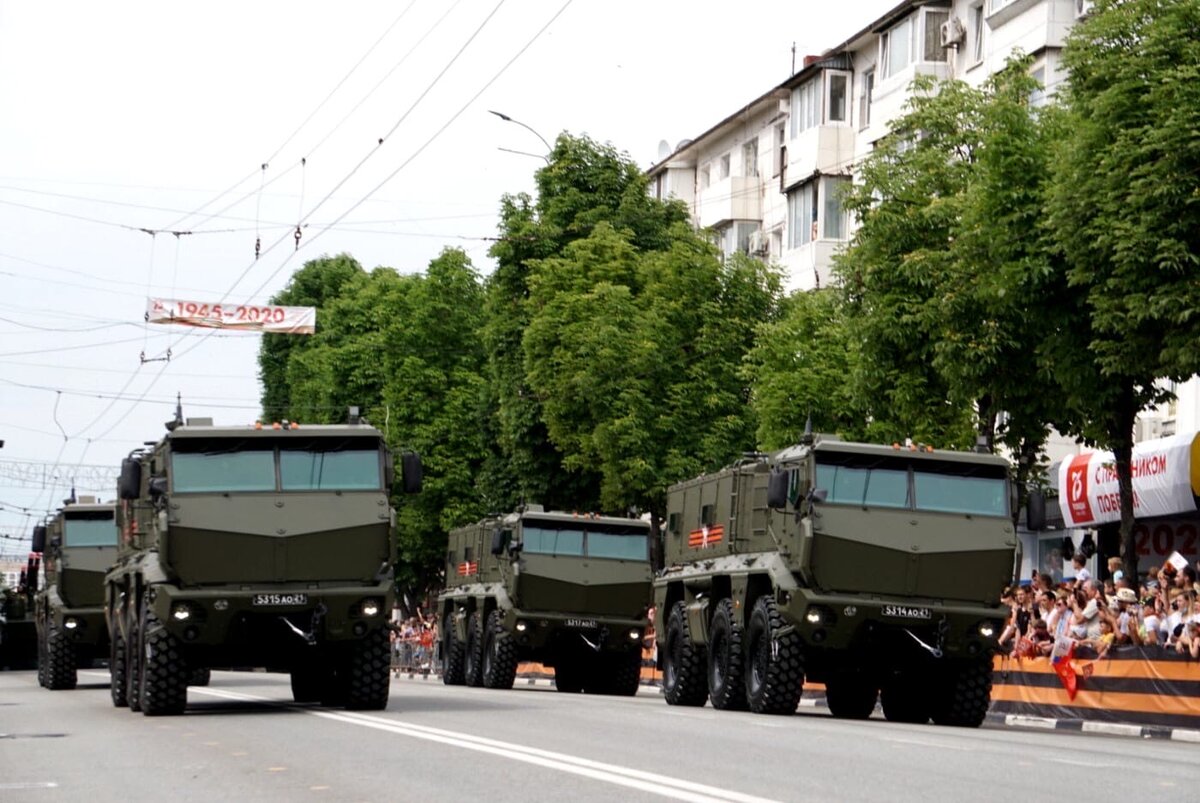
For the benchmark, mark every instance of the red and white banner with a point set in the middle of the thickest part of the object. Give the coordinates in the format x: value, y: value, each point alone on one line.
x: 249, y: 317
x: 1162, y: 482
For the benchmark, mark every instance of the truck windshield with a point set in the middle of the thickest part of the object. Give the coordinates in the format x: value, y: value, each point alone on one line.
x: 90, y: 529
x: 897, y: 482
x: 329, y: 466
x: 594, y: 541
x: 304, y: 464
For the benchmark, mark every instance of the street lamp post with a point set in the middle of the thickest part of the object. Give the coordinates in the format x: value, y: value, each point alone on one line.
x: 508, y: 119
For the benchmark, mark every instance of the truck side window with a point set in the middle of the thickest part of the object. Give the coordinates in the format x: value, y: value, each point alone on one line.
x: 707, y: 514
x: 467, y: 554
x: 673, y: 524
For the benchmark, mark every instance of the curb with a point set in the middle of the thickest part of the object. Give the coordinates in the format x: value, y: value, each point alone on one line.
x: 1107, y: 728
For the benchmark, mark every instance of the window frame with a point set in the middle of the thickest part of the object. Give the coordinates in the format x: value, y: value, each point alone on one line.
x: 848, y: 82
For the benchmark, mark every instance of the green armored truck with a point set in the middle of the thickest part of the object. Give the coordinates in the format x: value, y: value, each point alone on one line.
x: 264, y: 546
x: 570, y: 591
x: 78, y: 546
x: 875, y: 570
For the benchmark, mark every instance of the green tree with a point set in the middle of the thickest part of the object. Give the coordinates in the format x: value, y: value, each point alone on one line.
x: 318, y: 282
x: 1124, y: 210
x: 584, y: 184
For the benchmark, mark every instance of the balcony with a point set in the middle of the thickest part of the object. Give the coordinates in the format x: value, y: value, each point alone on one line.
x: 732, y: 198
x: 825, y: 149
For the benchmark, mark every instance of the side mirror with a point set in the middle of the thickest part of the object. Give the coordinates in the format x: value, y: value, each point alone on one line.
x: 1035, y: 510
x: 39, y: 538
x: 411, y: 472
x: 389, y: 469
x: 158, y: 486
x: 818, y: 494
x: 499, y: 540
x: 130, y: 483
x: 777, y: 489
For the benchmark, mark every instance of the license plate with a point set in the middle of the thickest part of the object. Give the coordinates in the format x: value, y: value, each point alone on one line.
x: 279, y: 599
x: 904, y: 612
x: 581, y: 623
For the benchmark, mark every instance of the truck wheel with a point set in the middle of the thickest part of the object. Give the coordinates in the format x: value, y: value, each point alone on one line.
x: 473, y: 657
x: 774, y: 663
x: 164, y: 672
x: 683, y: 662
x: 199, y: 677
x: 452, y: 653
x: 117, y: 670
x: 623, y: 673
x: 905, y: 699
x: 851, y: 696
x: 499, y: 655
x: 726, y: 688
x: 962, y: 694
x: 60, y: 660
x: 369, y: 676
x: 568, y: 674
x: 133, y: 662
x: 43, y: 662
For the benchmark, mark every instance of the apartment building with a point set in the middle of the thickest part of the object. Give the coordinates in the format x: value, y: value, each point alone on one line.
x: 766, y: 180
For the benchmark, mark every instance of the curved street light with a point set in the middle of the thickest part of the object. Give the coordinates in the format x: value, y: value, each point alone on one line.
x: 508, y: 119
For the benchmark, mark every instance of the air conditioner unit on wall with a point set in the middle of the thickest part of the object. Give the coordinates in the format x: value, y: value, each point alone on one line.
x: 1082, y: 8
x: 953, y: 32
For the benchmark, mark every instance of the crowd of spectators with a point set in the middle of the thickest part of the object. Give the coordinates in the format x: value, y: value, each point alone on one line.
x: 1161, y: 609
x: 413, y: 641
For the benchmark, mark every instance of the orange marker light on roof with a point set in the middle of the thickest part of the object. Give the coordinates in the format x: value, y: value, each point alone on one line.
x: 276, y: 426
x: 258, y: 425
x: 294, y: 425
x: 895, y: 445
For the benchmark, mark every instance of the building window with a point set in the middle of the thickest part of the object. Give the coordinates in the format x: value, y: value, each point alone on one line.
x: 780, y: 150
x: 724, y: 169
x: 806, y: 106
x: 1038, y: 96
x: 837, y: 96
x: 802, y: 215
x: 750, y: 158
x: 933, y: 35
x: 835, y: 221
x: 976, y: 34
x: 705, y: 176
x: 896, y: 48
x: 864, y: 98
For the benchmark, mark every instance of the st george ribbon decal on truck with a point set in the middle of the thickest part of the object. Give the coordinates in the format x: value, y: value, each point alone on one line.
x: 249, y: 317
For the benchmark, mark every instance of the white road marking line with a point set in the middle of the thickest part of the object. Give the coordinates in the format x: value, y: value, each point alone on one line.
x: 653, y: 783
x: 921, y: 743
x: 29, y: 785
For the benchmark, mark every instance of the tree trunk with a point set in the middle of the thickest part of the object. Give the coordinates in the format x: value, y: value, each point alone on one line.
x: 1122, y: 446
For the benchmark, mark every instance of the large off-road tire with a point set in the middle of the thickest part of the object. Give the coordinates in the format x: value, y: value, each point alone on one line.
x: 369, y: 674
x: 473, y: 651
x: 851, y: 696
x: 133, y: 662
x: 774, y: 663
x: 199, y: 677
x: 164, y: 672
x: 905, y: 698
x: 453, y: 650
x: 309, y: 681
x: 43, y: 663
x: 499, y: 655
x: 568, y: 674
x: 726, y: 687
x: 622, y: 673
x: 117, y: 670
x: 683, y: 662
x: 962, y: 693
x: 60, y: 660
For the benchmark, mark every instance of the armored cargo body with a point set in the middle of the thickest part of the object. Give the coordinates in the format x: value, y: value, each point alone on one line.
x: 875, y: 570
x: 567, y: 590
x: 255, y: 546
x: 78, y: 546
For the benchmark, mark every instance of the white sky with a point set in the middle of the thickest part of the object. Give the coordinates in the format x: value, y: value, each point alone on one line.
x: 138, y: 115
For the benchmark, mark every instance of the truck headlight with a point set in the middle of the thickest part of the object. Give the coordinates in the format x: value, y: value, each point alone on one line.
x: 521, y: 627
x: 813, y: 616
x: 181, y: 612
x: 70, y: 623
x: 635, y: 634
x: 986, y: 630
x: 370, y: 608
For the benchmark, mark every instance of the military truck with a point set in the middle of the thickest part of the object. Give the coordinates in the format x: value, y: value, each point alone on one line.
x: 18, y: 631
x: 78, y: 545
x: 569, y: 591
x: 256, y: 546
x: 875, y: 570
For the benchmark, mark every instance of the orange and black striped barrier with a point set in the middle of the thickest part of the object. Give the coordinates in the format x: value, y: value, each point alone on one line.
x: 1135, y: 685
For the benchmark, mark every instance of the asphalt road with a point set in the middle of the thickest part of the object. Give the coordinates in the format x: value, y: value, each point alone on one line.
x: 242, y: 739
